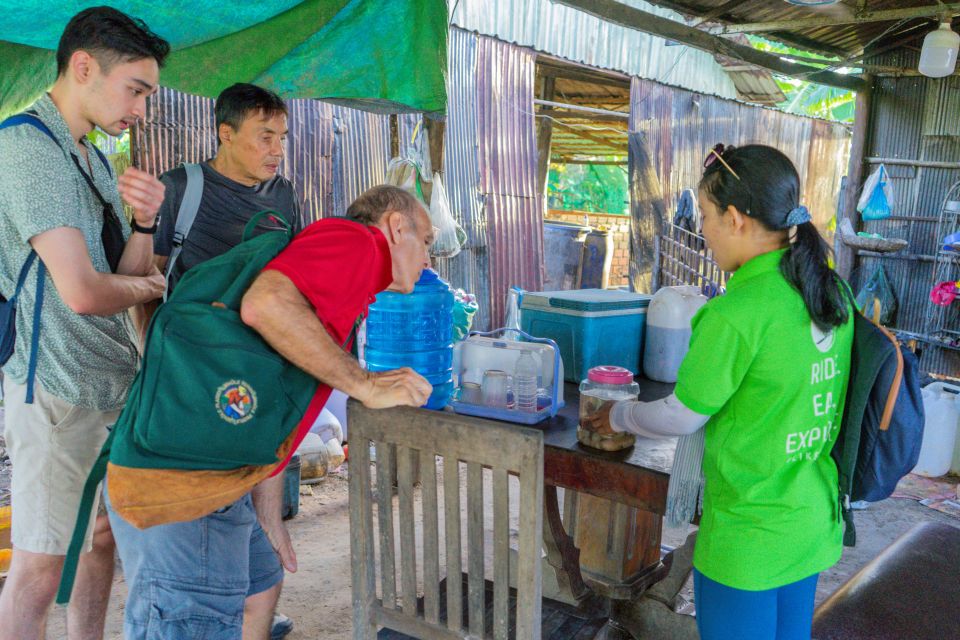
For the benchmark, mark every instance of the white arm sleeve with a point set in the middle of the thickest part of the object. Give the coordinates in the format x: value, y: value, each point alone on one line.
x: 663, y: 418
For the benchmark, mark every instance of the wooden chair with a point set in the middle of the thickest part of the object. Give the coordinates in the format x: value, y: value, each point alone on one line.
x: 402, y: 438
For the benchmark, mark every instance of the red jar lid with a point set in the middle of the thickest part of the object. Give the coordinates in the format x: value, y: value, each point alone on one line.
x: 606, y: 374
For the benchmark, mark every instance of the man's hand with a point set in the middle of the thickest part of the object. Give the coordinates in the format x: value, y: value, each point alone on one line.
x: 268, y: 502
x: 599, y: 422
x: 157, y: 283
x: 399, y: 387
x: 279, y: 538
x: 143, y: 192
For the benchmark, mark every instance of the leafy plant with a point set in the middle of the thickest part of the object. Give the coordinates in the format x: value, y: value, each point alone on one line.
x: 807, y: 98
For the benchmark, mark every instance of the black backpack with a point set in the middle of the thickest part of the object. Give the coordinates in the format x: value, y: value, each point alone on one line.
x: 882, y: 427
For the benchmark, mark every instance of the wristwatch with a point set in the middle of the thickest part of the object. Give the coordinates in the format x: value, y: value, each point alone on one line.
x: 147, y: 230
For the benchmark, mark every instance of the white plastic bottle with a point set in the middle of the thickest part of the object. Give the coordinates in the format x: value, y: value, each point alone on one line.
x: 938, y: 56
x: 940, y: 429
x: 667, y: 333
x: 525, y: 382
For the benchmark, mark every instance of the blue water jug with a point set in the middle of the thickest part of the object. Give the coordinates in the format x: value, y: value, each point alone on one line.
x: 414, y: 330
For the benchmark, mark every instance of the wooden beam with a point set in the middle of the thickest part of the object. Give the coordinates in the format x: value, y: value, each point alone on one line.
x: 605, y: 142
x: 617, y: 13
x: 843, y: 254
x: 884, y: 15
x: 726, y: 7
x: 544, y: 137
x: 623, y: 115
x: 567, y: 114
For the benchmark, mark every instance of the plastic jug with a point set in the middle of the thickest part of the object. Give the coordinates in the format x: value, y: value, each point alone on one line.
x: 414, y: 330
x: 941, y: 406
x: 668, y: 330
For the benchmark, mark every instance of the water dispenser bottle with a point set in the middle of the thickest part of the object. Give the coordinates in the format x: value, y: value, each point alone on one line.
x: 414, y: 330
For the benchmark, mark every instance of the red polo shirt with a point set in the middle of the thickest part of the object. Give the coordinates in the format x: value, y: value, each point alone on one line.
x: 339, y: 266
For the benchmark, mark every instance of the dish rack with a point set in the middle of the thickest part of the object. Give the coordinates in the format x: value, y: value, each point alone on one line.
x: 547, y: 406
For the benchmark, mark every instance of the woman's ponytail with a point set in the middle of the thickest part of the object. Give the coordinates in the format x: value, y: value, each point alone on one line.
x: 805, y: 266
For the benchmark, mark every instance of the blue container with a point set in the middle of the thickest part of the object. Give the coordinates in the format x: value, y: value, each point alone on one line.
x: 414, y: 330
x: 591, y: 327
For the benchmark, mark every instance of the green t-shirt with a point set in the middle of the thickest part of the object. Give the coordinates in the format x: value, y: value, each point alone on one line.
x: 774, y: 386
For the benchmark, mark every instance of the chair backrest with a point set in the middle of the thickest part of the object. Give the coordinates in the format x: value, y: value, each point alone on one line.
x: 403, y: 438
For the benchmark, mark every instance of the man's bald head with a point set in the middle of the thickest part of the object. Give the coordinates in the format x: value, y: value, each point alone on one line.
x: 373, y: 203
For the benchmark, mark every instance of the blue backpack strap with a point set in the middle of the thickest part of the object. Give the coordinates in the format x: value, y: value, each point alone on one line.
x: 35, y: 335
x: 24, y: 270
x: 38, y: 124
x: 30, y: 119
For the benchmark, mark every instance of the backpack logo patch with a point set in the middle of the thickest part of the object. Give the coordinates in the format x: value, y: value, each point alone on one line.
x: 236, y: 401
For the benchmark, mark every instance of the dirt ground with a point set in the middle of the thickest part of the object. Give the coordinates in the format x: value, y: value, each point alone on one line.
x: 318, y: 599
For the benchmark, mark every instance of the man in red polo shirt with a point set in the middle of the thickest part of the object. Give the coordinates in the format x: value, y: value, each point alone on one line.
x: 190, y: 579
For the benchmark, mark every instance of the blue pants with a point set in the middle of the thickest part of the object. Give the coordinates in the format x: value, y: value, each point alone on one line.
x: 725, y: 613
x: 190, y: 579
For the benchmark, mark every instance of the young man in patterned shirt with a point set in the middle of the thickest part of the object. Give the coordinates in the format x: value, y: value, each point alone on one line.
x: 60, y: 200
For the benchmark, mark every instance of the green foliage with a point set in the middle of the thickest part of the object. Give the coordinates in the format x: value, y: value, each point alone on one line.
x: 807, y: 98
x: 597, y: 188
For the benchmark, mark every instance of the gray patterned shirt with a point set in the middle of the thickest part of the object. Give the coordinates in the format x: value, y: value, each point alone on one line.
x: 86, y: 360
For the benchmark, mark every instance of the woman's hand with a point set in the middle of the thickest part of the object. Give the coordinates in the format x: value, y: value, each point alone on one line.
x: 599, y: 422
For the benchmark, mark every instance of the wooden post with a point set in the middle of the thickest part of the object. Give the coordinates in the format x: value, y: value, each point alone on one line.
x: 436, y: 128
x: 647, y: 213
x: 844, y: 255
x: 394, y: 135
x: 544, y: 136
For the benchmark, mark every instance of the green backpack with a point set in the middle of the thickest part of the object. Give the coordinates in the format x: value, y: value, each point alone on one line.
x: 211, y: 394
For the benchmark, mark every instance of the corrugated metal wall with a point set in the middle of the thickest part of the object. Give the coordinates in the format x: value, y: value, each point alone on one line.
x: 333, y: 153
x: 681, y: 126
x: 490, y: 163
x: 913, y: 118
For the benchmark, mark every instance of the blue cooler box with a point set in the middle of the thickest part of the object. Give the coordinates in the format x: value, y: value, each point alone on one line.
x: 591, y: 326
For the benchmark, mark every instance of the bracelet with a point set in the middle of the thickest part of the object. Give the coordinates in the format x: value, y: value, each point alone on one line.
x: 147, y: 230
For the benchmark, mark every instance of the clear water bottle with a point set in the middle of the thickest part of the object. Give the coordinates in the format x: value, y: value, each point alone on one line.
x: 414, y: 330
x: 525, y: 382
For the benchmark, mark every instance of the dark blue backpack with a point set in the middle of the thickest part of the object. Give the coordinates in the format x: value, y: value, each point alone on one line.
x: 882, y: 427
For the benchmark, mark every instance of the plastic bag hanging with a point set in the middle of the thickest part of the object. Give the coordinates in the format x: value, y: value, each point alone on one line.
x: 877, y: 199
x: 450, y: 236
x: 878, y: 288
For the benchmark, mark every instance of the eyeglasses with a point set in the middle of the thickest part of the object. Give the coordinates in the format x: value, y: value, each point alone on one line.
x: 717, y: 154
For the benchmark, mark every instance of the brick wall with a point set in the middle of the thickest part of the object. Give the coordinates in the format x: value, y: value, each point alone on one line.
x: 619, y: 225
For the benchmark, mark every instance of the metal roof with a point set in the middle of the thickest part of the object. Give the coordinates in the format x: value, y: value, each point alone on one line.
x: 594, y: 42
x: 837, y: 33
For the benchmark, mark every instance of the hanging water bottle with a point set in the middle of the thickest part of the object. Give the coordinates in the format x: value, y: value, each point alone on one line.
x: 525, y: 382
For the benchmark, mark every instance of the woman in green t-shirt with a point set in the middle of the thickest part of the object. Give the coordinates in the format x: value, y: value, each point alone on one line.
x: 760, y: 394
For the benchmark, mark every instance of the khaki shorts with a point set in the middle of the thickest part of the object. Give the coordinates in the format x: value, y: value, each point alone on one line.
x: 52, y: 447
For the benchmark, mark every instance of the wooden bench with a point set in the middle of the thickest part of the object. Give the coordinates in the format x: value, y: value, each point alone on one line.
x: 910, y: 591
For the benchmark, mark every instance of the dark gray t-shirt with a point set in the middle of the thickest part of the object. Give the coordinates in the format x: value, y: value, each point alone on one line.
x: 225, y: 209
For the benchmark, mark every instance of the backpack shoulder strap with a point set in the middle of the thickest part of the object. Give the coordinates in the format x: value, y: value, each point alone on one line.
x: 97, y: 474
x: 31, y: 120
x: 189, y: 206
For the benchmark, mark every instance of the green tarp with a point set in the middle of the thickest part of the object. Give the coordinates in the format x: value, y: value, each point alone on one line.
x: 382, y: 55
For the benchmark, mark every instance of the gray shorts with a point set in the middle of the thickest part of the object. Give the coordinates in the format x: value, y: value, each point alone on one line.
x: 190, y: 579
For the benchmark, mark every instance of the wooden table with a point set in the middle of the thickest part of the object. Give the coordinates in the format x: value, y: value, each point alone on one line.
x: 635, y: 477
